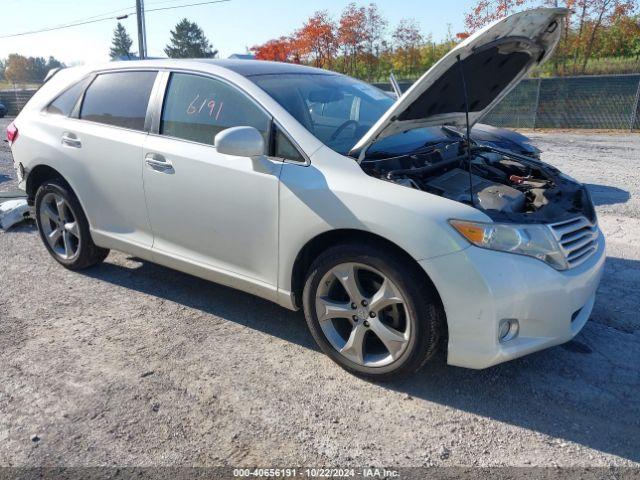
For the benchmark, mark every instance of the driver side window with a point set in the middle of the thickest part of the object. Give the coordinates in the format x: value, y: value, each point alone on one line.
x: 197, y: 108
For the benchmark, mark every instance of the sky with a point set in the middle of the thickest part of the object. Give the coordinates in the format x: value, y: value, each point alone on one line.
x: 231, y: 27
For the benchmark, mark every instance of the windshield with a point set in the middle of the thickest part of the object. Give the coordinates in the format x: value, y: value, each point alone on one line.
x: 338, y: 110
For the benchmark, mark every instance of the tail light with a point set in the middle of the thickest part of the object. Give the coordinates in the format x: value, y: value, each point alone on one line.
x: 12, y: 133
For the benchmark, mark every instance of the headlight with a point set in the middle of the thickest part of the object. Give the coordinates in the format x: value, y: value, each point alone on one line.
x: 531, y: 240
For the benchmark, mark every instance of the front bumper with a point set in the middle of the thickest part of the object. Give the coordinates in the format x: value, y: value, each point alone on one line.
x: 481, y: 287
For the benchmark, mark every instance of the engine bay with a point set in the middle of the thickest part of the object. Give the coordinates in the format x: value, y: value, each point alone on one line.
x: 505, y: 185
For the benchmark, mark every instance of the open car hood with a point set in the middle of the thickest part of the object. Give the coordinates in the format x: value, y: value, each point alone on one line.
x: 494, y: 60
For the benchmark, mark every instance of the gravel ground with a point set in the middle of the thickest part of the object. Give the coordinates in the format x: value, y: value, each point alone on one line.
x: 130, y: 363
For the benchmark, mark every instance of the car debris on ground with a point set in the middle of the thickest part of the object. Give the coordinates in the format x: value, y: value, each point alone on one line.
x: 13, y: 210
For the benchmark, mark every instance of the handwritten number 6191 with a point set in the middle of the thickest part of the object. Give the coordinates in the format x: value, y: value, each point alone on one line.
x: 193, y: 107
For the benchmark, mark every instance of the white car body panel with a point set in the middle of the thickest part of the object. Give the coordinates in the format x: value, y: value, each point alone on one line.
x: 243, y: 222
x: 495, y: 287
x: 332, y: 194
x: 106, y: 173
x: 230, y: 201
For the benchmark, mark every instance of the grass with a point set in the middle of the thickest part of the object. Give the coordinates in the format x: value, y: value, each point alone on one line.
x: 595, y: 66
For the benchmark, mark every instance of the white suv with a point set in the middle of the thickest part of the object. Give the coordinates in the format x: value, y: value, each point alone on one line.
x: 391, y: 228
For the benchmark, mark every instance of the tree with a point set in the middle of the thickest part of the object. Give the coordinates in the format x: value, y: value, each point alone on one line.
x: 37, y: 69
x: 17, y: 69
x: 374, y: 27
x: 53, y: 62
x: 281, y: 49
x: 487, y: 11
x: 604, y: 12
x: 593, y: 28
x: 316, y: 40
x: 359, y: 45
x: 188, y: 41
x: 21, y: 69
x: 121, y: 43
x: 408, y: 40
x: 351, y: 35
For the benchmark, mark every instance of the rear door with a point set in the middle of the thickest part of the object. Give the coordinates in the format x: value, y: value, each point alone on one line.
x: 105, y: 140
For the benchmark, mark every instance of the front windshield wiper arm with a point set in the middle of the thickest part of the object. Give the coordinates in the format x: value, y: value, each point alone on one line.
x: 452, y: 130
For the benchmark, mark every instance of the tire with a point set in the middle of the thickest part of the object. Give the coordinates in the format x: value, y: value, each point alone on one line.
x: 66, y: 236
x: 411, y: 329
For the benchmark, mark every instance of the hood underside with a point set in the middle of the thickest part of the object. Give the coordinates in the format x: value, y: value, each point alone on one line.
x: 489, y: 63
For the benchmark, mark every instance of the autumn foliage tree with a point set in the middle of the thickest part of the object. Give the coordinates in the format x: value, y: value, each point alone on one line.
x: 351, y: 36
x: 354, y: 44
x: 408, y: 40
x: 594, y: 29
x: 317, y: 40
x: 360, y: 43
x: 487, y: 11
x: 283, y: 49
x: 374, y: 30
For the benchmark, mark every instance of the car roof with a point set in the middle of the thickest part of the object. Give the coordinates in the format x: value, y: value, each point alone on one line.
x: 246, y: 68
x: 249, y: 68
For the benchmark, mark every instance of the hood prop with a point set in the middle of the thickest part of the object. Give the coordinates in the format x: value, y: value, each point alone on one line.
x: 468, y: 135
x: 395, y: 85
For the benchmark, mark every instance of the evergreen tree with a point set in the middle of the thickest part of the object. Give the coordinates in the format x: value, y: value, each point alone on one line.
x: 188, y: 41
x: 121, y: 43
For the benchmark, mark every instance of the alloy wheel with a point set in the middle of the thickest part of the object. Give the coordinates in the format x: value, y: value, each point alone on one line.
x: 60, y: 227
x: 363, y: 314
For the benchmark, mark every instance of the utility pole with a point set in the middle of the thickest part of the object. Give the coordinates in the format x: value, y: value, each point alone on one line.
x: 142, y: 34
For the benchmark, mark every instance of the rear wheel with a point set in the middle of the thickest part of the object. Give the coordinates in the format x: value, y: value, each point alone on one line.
x: 372, y: 312
x: 64, y: 228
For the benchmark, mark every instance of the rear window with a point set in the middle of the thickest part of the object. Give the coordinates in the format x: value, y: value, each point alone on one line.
x: 63, y: 105
x: 119, y: 99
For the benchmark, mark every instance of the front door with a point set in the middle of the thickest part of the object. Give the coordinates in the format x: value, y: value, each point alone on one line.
x: 209, y: 209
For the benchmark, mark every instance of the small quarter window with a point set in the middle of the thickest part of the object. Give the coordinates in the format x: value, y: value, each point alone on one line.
x: 63, y: 105
x: 119, y: 98
x: 197, y: 108
x: 285, y: 149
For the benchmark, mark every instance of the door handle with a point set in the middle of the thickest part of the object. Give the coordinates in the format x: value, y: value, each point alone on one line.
x: 71, y: 140
x: 158, y: 162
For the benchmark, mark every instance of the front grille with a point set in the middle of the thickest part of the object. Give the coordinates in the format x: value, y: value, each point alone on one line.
x: 578, y: 239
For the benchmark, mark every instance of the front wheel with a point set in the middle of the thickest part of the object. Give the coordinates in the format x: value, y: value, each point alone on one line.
x: 372, y: 312
x: 64, y: 228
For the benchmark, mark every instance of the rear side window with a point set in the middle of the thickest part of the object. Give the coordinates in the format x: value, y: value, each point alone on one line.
x: 197, y: 108
x: 119, y: 99
x: 63, y: 105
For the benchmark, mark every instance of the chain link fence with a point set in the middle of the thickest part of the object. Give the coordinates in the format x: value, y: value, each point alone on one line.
x: 14, y: 100
x: 594, y: 101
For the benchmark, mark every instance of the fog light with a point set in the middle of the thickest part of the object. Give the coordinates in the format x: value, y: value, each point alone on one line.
x: 508, y: 329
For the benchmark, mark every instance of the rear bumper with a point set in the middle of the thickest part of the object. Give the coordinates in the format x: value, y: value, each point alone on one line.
x: 480, y: 287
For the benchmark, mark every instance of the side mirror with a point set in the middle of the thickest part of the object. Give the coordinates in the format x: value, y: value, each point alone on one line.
x: 240, y: 141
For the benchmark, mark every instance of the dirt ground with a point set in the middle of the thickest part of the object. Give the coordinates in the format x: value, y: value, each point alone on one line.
x: 130, y: 363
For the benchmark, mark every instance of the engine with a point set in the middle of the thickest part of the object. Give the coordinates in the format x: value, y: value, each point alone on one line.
x: 505, y: 185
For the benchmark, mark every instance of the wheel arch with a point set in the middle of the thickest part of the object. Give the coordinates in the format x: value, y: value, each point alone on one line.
x: 328, y: 239
x: 40, y: 174
x: 37, y: 176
